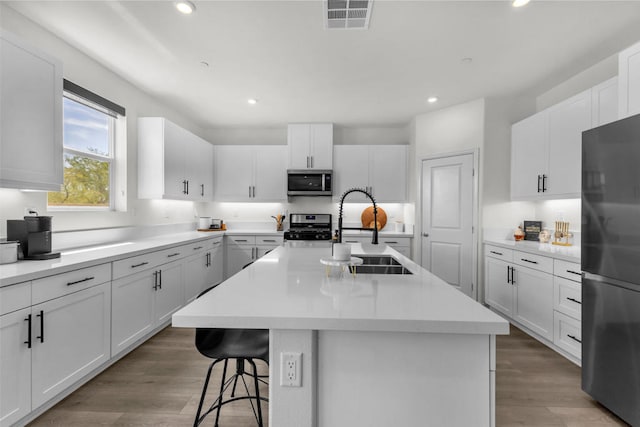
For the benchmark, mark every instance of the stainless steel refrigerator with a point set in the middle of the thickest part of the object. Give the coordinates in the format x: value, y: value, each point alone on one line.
x: 611, y: 265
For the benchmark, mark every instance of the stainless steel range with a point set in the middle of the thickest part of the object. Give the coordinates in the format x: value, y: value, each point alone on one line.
x: 315, y: 227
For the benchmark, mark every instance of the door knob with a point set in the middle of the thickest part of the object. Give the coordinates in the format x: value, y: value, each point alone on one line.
x: 425, y: 234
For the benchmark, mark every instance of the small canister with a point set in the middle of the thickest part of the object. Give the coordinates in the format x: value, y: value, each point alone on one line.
x: 8, y: 252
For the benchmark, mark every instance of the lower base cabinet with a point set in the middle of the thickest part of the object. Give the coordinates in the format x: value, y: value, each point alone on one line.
x: 15, y: 367
x: 244, y: 249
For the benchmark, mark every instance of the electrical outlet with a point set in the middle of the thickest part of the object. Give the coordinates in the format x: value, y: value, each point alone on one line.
x: 291, y: 369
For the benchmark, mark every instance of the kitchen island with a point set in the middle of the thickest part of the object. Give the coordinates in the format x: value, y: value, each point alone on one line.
x: 377, y: 350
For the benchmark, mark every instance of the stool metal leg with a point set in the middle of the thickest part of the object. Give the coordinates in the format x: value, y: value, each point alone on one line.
x: 224, y: 377
x: 256, y: 385
x: 204, y: 392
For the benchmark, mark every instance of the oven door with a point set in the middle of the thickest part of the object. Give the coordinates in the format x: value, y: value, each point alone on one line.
x: 308, y: 182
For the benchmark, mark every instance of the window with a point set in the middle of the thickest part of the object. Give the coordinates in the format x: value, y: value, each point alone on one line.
x: 89, y: 140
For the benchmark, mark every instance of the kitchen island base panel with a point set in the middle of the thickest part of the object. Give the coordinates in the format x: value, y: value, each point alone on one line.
x: 384, y: 378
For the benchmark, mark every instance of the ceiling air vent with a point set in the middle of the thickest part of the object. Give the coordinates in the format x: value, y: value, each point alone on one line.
x: 347, y: 14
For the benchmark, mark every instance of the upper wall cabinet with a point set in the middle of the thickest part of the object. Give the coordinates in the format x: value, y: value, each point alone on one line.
x: 173, y: 163
x: 546, y: 148
x: 250, y: 173
x: 30, y: 117
x: 310, y: 146
x: 629, y: 81
x: 379, y: 169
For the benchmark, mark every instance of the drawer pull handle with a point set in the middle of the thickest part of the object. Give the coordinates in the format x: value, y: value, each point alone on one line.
x: 86, y: 279
x: 529, y: 261
x: 197, y: 248
x: 41, y: 316
x: 574, y: 300
x: 268, y: 240
x: 497, y: 253
x: 28, y: 341
x: 388, y: 242
x: 139, y: 265
x: 241, y: 240
x: 574, y: 272
x: 172, y: 255
x: 574, y: 338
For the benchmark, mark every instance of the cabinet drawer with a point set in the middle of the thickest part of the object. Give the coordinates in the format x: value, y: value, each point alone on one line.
x: 15, y: 297
x: 395, y: 241
x: 269, y: 240
x: 568, y: 270
x: 352, y: 239
x: 172, y: 254
x: 56, y: 286
x: 498, y: 252
x: 567, y: 297
x: 195, y: 247
x: 135, y: 264
x: 241, y: 240
x: 567, y: 334
x: 537, y: 262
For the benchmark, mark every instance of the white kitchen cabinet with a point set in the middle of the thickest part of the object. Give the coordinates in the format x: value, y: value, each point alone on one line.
x: 71, y: 339
x: 173, y: 163
x: 169, y: 294
x: 216, y: 262
x: 523, y: 293
x: 15, y: 366
x: 30, y: 117
x: 310, y: 146
x: 250, y: 173
x: 567, y: 305
x: 604, y: 102
x: 379, y: 169
x: 244, y: 249
x: 546, y: 150
x: 202, y: 269
x: 629, y: 81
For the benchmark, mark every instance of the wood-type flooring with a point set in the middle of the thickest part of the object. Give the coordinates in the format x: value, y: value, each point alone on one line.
x: 159, y: 384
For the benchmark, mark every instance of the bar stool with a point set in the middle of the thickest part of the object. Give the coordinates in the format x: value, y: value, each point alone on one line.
x: 243, y: 345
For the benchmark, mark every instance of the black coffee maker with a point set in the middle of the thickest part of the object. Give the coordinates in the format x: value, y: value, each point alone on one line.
x: 34, y: 235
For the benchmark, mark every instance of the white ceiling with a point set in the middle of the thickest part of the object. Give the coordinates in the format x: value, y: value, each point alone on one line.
x: 280, y: 53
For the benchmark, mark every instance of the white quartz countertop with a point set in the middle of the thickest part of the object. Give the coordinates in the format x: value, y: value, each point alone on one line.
x: 73, y: 259
x: 566, y: 253
x: 289, y: 289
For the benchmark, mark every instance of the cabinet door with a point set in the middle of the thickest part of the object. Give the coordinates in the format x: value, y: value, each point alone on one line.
x: 204, y: 174
x: 299, y: 142
x: 529, y: 154
x: 534, y: 300
x: 566, y: 122
x: 195, y: 275
x: 215, y: 273
x: 388, y: 172
x: 132, y: 307
x: 629, y: 81
x: 270, y: 173
x: 75, y: 340
x: 351, y: 170
x: 499, y: 292
x: 176, y: 144
x: 170, y: 293
x: 233, y: 173
x: 15, y: 366
x: 237, y: 257
x: 604, y: 103
x: 321, y: 149
x: 30, y: 117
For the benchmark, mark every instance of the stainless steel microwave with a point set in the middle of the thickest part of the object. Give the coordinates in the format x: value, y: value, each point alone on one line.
x: 309, y: 182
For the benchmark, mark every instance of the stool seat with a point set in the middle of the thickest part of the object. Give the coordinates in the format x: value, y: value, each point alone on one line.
x: 233, y: 343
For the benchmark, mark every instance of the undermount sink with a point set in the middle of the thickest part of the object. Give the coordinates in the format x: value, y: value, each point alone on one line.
x: 379, y: 264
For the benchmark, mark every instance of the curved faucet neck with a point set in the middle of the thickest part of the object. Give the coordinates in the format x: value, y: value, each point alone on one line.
x: 374, y: 239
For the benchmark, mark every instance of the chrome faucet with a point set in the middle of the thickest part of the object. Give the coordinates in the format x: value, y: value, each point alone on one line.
x: 374, y: 239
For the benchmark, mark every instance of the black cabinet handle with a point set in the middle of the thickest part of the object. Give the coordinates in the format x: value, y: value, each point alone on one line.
x: 574, y: 338
x: 513, y: 281
x: 41, y: 316
x: 574, y: 272
x: 497, y: 253
x: 390, y: 242
x: 508, y: 272
x: 28, y: 341
x: 139, y: 265
x: 172, y: 255
x: 197, y: 248
x: 160, y: 281
x: 529, y: 261
x: 574, y: 300
x: 544, y: 183
x: 184, y: 186
x: 187, y: 186
x: 202, y: 190
x: 155, y: 280
x: 539, y: 178
x: 86, y: 279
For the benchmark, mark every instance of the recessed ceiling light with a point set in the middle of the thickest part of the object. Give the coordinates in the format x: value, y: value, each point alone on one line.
x: 205, y: 64
x: 466, y: 60
x: 519, y: 3
x: 432, y: 99
x: 252, y: 101
x: 185, y: 7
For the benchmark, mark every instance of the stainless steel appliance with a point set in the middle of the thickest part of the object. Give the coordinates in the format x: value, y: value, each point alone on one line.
x: 34, y: 235
x: 316, y: 227
x: 611, y: 266
x: 309, y: 182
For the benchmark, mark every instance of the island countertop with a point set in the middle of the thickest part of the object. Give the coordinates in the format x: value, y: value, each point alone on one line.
x: 289, y: 289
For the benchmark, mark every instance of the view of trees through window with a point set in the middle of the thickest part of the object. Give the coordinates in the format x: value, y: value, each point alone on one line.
x: 88, y: 154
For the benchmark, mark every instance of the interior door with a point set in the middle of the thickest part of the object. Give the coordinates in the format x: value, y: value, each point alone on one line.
x: 447, y: 219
